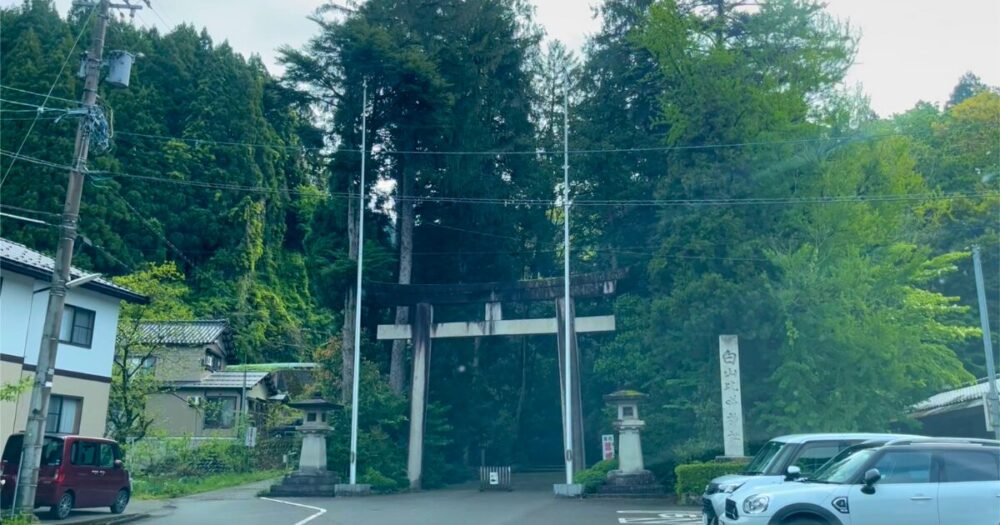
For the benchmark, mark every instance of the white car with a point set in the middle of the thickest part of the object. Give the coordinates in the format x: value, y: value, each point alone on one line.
x: 782, y: 459
x: 911, y: 482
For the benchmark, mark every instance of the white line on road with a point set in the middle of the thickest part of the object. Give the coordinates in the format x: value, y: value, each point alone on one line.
x: 319, y: 512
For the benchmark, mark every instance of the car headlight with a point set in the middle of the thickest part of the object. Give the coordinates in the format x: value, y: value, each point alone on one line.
x: 729, y: 488
x: 756, y: 504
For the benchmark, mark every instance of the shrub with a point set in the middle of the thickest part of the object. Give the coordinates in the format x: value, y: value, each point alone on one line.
x: 595, y: 476
x: 379, y: 482
x: 692, y: 477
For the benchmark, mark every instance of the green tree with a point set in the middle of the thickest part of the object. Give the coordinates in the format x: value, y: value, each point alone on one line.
x: 132, y: 379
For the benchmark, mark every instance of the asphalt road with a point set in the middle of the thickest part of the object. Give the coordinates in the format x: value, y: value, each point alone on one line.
x: 531, y: 503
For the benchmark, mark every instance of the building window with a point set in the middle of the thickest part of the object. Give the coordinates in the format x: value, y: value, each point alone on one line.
x: 212, y: 362
x: 220, y: 412
x: 77, y: 326
x: 142, y: 364
x: 64, y: 415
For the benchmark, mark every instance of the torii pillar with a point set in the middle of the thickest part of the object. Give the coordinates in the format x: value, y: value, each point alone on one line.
x: 423, y: 330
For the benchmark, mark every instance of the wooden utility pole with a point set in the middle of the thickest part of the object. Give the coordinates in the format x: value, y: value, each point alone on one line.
x: 38, y: 409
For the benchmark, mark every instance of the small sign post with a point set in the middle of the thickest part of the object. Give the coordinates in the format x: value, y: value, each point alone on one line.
x: 608, y: 446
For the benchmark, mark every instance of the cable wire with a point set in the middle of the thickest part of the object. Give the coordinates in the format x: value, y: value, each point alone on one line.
x: 52, y: 87
x: 53, y: 97
x: 703, y: 202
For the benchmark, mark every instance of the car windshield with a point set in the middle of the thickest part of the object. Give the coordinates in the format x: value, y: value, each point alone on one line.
x: 840, y: 457
x: 764, y: 458
x: 844, y: 469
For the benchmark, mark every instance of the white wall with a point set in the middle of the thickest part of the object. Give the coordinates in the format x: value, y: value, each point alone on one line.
x: 22, y: 315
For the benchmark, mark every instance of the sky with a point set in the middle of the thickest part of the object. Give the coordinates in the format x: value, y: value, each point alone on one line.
x: 910, y: 50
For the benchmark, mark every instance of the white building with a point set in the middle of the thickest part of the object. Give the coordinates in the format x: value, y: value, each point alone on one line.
x: 79, y: 402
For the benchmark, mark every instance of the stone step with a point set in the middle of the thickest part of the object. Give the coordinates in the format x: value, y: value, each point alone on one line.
x: 310, y: 480
x: 303, y: 491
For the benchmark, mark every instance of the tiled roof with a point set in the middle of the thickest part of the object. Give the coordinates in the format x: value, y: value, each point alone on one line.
x: 954, y: 397
x: 183, y: 332
x: 224, y: 380
x: 19, y: 258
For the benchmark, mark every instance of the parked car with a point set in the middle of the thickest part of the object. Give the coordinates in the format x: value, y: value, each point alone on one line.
x: 783, y: 458
x: 76, y: 472
x: 917, y: 482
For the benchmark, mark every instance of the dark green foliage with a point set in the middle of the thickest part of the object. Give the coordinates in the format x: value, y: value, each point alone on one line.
x: 692, y: 477
x: 592, y: 478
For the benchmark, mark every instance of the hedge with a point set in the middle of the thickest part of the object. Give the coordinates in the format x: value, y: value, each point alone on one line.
x: 692, y: 477
x: 595, y: 476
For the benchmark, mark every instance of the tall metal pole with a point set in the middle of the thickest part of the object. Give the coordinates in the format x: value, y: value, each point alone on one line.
x: 568, y: 361
x: 357, y: 294
x: 34, y: 431
x: 993, y: 401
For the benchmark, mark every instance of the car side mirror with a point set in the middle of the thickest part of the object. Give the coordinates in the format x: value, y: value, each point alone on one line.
x: 872, y: 477
x: 793, y: 473
x: 119, y: 463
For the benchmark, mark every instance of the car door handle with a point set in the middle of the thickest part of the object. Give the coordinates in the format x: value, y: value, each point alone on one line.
x: 921, y: 498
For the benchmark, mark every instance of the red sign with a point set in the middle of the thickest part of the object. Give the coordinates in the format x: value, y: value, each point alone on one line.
x: 608, y: 446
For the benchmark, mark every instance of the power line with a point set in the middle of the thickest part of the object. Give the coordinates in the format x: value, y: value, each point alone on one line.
x: 702, y: 202
x: 52, y: 87
x: 28, y: 210
x: 37, y: 108
x: 534, y: 152
x: 53, y: 97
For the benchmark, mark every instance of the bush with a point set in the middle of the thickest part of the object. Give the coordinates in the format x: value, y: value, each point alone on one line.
x: 379, y: 482
x: 595, y: 476
x: 692, y: 477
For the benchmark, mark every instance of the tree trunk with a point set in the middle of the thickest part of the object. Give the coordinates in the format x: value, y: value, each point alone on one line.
x: 397, y: 376
x: 347, y: 330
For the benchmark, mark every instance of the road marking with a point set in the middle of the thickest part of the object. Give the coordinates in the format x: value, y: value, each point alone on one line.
x: 319, y: 512
x: 660, y: 517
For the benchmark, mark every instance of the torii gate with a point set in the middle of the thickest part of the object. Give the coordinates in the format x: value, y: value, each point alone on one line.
x: 492, y: 295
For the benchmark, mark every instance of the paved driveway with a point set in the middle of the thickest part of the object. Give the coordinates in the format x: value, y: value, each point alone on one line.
x: 532, y: 503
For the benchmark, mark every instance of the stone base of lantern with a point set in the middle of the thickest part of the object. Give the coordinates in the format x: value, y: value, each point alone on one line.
x: 639, y: 484
x: 347, y: 490
x: 319, y: 483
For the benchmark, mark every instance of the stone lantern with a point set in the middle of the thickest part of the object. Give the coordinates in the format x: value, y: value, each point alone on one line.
x: 631, y: 478
x: 312, y: 478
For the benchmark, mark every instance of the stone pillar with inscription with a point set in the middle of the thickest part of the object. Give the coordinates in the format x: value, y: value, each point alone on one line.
x: 732, y: 396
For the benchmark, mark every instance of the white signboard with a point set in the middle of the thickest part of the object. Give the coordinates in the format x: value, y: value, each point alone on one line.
x: 732, y: 396
x: 494, y: 478
x: 608, y: 446
x: 250, y: 440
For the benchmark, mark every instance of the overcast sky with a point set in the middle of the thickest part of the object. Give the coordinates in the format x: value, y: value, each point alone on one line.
x: 910, y: 50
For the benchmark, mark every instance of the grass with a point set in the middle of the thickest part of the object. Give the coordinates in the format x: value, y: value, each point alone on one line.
x: 164, y: 487
x: 20, y: 519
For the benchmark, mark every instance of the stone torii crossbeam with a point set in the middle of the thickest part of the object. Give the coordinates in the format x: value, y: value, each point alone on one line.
x: 423, y: 330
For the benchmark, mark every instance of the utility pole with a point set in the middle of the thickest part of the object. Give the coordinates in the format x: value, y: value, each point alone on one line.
x: 38, y: 409
x: 568, y: 360
x: 357, y: 294
x: 992, y: 400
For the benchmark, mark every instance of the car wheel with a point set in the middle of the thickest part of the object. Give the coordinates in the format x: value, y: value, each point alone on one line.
x: 121, y: 501
x: 61, y: 510
x: 805, y: 521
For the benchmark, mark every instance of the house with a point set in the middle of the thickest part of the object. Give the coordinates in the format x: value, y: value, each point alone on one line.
x: 199, y: 397
x: 956, y: 413
x: 82, y: 382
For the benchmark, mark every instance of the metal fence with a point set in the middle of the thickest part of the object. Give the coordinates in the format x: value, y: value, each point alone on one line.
x: 494, y: 478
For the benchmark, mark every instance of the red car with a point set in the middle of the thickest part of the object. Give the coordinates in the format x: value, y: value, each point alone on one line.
x: 76, y: 472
